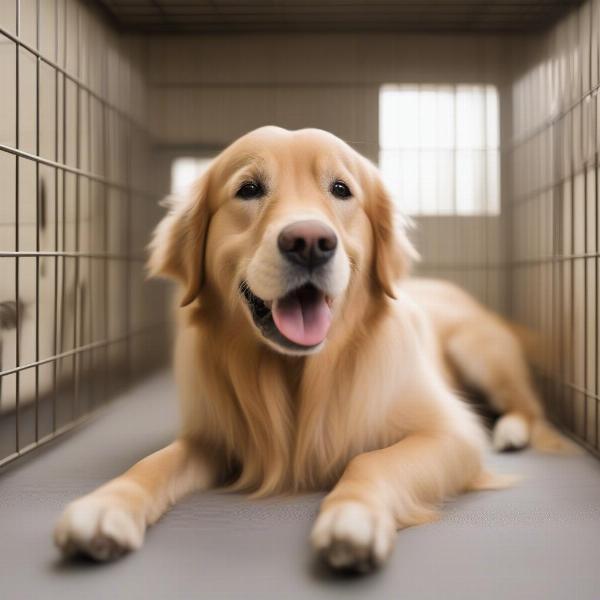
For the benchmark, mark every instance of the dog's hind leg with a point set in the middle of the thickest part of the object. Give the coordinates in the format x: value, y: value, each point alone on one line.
x: 489, y: 357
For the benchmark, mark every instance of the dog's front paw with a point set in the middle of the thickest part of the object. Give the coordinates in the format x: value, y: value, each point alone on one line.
x: 98, y: 527
x: 351, y: 536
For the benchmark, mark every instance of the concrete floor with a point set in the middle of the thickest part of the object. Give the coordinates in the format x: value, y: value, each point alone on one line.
x: 538, y: 540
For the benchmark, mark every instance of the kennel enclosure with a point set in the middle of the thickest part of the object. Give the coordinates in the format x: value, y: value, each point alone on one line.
x: 483, y: 116
x: 99, y: 99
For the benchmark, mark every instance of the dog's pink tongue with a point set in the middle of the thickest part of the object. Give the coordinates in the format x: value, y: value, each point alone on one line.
x: 303, y: 317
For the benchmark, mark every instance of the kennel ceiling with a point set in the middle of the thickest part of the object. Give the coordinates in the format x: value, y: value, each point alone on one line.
x: 236, y: 16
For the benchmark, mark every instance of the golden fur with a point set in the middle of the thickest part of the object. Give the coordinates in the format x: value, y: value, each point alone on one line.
x: 369, y: 414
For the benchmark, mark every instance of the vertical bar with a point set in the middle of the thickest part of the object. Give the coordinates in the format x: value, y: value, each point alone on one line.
x: 56, y: 259
x: 454, y: 213
x: 572, y: 277
x: 128, y: 209
x: 597, y: 300
x: 37, y: 224
x: 17, y: 191
x: 93, y: 249
x: 485, y: 208
x: 586, y: 245
x: 585, y: 296
x: 106, y: 197
x: 562, y: 276
x: 419, y: 151
x: 593, y: 121
x: 128, y: 227
x: 506, y: 218
x: 554, y: 274
x: 557, y: 244
x: 596, y: 275
x: 76, y: 358
x: 64, y: 187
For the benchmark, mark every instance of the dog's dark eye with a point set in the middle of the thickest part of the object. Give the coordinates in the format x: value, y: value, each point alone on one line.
x: 340, y: 190
x: 250, y: 190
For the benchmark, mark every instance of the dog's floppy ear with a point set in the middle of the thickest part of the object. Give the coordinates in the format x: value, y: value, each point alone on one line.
x: 178, y: 244
x: 393, y: 251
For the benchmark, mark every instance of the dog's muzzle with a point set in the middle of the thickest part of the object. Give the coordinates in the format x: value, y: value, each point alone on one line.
x: 300, y: 318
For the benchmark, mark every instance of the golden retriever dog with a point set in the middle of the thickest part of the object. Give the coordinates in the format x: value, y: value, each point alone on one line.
x: 306, y: 360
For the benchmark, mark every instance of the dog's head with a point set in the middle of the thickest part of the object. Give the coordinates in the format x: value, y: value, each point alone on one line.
x: 286, y: 226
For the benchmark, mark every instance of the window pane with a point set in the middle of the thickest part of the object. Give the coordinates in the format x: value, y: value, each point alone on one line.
x: 427, y: 121
x: 185, y: 170
x: 470, y: 129
x: 492, y: 117
x: 465, y: 182
x: 409, y: 181
x: 439, y: 147
x: 389, y: 163
x: 390, y: 127
x: 446, y: 117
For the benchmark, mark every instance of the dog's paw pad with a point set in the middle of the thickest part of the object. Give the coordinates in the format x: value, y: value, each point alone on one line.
x: 511, y: 432
x: 350, y: 536
x: 98, y: 528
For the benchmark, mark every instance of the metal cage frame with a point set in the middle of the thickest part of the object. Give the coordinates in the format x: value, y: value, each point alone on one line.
x: 76, y: 183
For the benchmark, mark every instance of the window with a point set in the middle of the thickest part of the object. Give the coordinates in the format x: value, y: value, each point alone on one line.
x: 185, y: 170
x: 439, y: 148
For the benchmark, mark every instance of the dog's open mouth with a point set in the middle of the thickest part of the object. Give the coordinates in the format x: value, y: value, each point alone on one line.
x: 298, y: 320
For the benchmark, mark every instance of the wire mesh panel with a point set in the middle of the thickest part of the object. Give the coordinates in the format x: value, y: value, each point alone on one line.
x: 75, y: 212
x: 554, y: 215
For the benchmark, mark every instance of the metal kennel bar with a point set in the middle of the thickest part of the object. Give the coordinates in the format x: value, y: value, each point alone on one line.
x: 72, y: 236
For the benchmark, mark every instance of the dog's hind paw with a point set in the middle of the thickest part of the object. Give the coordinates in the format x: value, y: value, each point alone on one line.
x: 511, y: 432
x: 351, y: 536
x: 98, y: 528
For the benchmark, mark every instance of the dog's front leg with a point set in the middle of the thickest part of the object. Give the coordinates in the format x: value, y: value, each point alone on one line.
x: 385, y: 490
x: 112, y: 519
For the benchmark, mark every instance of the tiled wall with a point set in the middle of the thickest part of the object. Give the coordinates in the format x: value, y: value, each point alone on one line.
x: 76, y: 208
x: 554, y: 218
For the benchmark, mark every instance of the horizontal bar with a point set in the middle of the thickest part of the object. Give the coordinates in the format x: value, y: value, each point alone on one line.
x: 557, y: 184
x: 580, y: 390
x: 81, y: 349
x: 47, y: 438
x: 579, y: 440
x: 461, y: 266
x: 553, y: 259
x: 101, y: 255
x: 511, y: 145
x: 75, y: 171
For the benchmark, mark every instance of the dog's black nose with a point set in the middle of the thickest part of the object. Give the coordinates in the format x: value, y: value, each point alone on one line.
x: 307, y: 243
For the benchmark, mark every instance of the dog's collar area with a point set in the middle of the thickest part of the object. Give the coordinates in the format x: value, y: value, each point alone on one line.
x: 262, y: 316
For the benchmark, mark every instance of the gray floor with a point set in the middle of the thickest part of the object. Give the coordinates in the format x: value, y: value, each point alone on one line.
x: 538, y: 540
